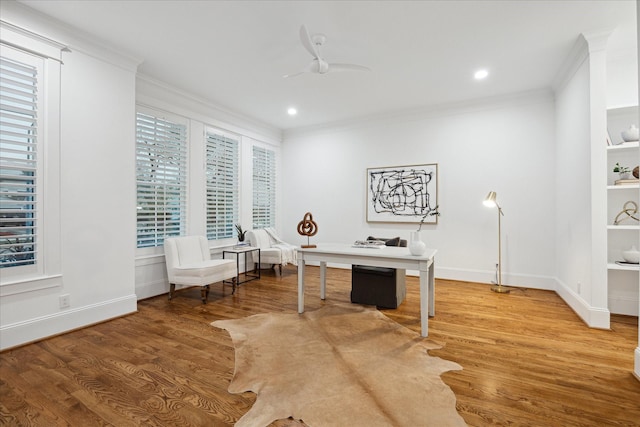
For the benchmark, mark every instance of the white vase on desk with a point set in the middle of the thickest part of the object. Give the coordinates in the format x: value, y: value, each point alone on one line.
x: 416, y: 245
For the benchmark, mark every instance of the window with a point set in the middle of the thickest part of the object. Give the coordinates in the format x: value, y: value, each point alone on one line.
x: 264, y: 187
x: 161, y: 176
x: 30, y: 220
x: 20, y: 163
x: 222, y: 185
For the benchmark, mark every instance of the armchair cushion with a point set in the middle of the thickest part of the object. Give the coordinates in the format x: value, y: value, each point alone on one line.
x: 189, y: 263
x: 272, y: 249
x: 210, y: 271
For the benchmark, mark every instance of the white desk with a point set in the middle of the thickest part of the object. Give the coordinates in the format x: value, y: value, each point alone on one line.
x: 389, y: 256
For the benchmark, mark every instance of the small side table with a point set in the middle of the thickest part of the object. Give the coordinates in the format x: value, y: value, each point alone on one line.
x: 237, y: 251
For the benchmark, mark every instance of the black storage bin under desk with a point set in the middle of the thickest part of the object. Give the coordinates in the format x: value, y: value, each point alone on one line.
x: 380, y: 286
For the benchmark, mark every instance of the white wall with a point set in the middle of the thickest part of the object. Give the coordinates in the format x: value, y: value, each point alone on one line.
x: 622, y: 80
x: 586, y: 86
x: 97, y: 186
x: 503, y: 145
x: 574, y: 238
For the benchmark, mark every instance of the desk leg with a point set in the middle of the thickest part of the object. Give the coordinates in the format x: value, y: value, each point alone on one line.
x: 300, y: 285
x: 432, y: 289
x: 323, y: 280
x: 424, y: 299
x: 237, y: 270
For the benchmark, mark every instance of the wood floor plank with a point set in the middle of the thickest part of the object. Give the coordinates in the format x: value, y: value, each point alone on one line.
x: 527, y: 359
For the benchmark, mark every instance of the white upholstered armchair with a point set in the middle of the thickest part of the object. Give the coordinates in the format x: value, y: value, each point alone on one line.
x: 189, y: 263
x: 272, y: 249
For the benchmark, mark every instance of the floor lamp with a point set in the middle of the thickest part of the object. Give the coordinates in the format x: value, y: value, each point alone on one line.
x: 491, y: 202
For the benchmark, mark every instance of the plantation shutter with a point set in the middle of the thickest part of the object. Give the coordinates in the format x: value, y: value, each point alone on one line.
x: 222, y: 186
x: 161, y: 169
x: 18, y: 163
x: 264, y: 187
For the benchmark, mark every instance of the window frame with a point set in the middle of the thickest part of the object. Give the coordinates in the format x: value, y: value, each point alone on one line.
x: 175, y: 119
x: 22, y: 170
x: 24, y: 46
x: 257, y: 193
x: 234, y: 188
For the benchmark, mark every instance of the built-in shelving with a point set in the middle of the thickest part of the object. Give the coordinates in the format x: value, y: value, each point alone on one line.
x: 622, y: 279
x: 614, y: 266
x: 623, y: 187
x: 623, y: 146
x: 623, y: 227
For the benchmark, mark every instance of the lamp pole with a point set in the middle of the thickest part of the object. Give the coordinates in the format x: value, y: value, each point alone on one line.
x: 499, y: 288
x: 491, y: 201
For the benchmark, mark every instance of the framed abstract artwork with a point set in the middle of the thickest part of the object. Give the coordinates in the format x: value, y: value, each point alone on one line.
x: 403, y: 194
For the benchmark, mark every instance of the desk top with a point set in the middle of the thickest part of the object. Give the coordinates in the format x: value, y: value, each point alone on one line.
x: 384, y: 252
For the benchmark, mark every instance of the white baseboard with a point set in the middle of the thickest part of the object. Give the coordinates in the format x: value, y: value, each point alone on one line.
x: 480, y: 276
x: 636, y: 369
x: 594, y: 317
x: 20, y: 333
x: 151, y: 289
x: 621, y: 304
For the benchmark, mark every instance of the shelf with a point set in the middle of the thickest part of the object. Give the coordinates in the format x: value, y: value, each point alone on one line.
x: 623, y: 187
x: 614, y: 266
x: 624, y: 146
x: 623, y: 227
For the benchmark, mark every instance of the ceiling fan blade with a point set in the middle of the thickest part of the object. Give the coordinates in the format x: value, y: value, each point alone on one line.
x: 307, y: 43
x: 286, y: 76
x: 312, y: 67
x: 348, y: 67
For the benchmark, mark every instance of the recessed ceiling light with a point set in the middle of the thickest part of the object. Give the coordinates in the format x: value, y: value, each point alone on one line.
x: 481, y: 74
x: 292, y: 111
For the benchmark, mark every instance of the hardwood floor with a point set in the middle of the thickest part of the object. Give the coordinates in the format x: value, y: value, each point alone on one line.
x: 527, y: 359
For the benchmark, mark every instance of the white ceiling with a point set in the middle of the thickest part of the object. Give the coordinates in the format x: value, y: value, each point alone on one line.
x: 422, y: 53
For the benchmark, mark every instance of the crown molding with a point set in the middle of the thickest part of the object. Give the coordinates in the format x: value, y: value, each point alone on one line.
x: 579, y: 53
x: 158, y: 94
x: 587, y: 44
x: 26, y: 40
x: 49, y: 28
x: 597, y: 40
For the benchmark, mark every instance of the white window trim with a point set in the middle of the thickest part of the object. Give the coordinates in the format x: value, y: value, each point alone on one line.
x: 276, y: 202
x: 48, y: 267
x: 238, y: 139
x: 159, y: 250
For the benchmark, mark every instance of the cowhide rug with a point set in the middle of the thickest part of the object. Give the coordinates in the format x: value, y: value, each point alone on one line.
x: 341, y: 365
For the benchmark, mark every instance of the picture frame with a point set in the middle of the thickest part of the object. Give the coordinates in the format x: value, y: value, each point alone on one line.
x: 403, y: 194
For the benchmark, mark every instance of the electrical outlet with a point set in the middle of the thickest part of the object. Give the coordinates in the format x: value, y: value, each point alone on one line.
x: 65, y: 301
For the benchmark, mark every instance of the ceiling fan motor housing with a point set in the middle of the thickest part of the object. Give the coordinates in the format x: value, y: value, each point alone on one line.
x: 318, y: 39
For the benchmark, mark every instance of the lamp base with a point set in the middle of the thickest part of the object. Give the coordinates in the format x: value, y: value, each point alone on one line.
x: 500, y: 289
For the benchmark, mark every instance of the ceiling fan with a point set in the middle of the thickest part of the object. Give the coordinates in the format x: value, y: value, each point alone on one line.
x: 319, y: 65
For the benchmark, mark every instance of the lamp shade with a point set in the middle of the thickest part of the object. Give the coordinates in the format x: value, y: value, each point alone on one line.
x: 490, y: 201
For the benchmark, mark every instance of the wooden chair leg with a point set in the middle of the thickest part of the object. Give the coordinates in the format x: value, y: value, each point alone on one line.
x: 172, y: 288
x: 204, y: 293
x: 280, y: 268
